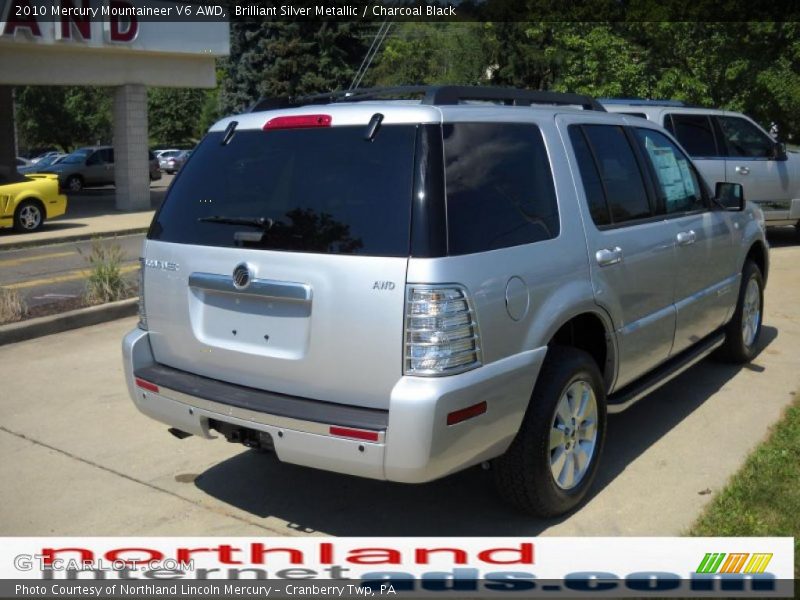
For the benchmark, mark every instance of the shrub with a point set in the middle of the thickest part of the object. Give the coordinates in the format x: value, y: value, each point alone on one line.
x: 105, y: 282
x: 12, y: 306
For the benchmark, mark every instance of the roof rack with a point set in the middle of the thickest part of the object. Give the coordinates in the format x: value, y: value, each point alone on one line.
x: 440, y: 95
x: 641, y: 102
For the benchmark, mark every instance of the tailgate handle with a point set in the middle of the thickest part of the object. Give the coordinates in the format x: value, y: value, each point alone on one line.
x: 268, y: 288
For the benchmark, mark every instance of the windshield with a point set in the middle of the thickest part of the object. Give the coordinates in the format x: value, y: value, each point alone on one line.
x: 327, y: 190
x: 76, y: 157
x: 47, y: 161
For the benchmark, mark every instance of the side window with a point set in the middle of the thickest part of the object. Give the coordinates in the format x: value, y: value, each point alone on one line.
x: 622, y: 179
x: 500, y: 190
x: 694, y: 132
x: 95, y: 158
x: 592, y: 186
x: 678, y: 184
x: 745, y: 139
x: 108, y: 155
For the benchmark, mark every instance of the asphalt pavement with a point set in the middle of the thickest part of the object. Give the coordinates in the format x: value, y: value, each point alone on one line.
x: 46, y: 274
x: 78, y: 459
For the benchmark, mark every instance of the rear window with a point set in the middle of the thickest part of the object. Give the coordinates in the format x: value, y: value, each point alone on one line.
x: 614, y: 163
x: 499, y: 185
x: 694, y: 132
x: 326, y: 190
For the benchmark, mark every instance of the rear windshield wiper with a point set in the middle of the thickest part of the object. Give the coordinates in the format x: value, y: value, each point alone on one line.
x: 261, y: 222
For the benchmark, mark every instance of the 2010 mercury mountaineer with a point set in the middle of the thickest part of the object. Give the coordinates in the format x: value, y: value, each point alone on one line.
x: 400, y: 289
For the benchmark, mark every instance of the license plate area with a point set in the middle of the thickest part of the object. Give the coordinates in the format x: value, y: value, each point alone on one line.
x: 252, y: 324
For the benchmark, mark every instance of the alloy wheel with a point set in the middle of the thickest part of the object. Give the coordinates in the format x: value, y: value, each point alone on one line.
x: 751, y: 312
x: 573, y: 435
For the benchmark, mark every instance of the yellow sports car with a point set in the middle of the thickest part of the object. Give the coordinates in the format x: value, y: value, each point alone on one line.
x: 27, y: 200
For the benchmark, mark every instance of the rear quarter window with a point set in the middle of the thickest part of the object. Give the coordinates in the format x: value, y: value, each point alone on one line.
x: 499, y: 187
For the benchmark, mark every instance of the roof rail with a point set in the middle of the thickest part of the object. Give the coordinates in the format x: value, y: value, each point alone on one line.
x: 641, y: 102
x: 438, y: 95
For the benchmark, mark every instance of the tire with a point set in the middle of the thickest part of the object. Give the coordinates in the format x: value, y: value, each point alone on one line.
x: 524, y: 475
x: 744, y: 329
x: 74, y: 183
x: 29, y: 216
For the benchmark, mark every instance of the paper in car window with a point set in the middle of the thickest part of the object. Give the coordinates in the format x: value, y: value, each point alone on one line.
x: 672, y: 174
x: 688, y: 180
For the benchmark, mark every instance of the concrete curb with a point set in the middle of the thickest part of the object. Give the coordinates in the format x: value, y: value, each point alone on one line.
x: 17, y: 245
x: 73, y: 319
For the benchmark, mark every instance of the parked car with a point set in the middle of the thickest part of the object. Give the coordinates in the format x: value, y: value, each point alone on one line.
x: 165, y: 156
x: 174, y: 162
x: 27, y: 201
x: 730, y: 146
x: 401, y: 291
x: 158, y: 153
x: 91, y: 166
x: 155, y: 171
x: 36, y: 160
x: 42, y: 163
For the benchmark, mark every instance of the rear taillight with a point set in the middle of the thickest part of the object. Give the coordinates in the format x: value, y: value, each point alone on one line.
x: 142, y: 313
x: 441, y: 336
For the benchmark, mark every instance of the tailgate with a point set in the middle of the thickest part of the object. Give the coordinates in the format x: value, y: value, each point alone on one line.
x: 309, y: 325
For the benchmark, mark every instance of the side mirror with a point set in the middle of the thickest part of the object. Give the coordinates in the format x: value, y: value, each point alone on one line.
x: 779, y: 151
x: 729, y: 196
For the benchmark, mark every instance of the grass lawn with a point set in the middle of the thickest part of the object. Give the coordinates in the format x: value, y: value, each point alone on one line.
x: 763, y: 498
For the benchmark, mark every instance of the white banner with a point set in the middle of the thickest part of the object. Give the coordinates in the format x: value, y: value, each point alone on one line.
x: 600, y: 566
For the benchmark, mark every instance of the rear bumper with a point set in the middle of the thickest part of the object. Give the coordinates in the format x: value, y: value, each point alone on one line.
x: 56, y: 206
x: 414, y: 443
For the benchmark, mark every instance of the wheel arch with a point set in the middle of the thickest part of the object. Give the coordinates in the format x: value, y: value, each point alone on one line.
x: 31, y: 197
x: 592, y: 332
x: 77, y: 176
x: 760, y: 256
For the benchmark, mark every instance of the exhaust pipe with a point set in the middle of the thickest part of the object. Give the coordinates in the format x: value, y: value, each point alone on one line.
x: 181, y: 435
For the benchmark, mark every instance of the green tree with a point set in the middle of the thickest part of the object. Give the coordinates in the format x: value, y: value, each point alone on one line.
x: 63, y: 117
x: 429, y: 53
x: 600, y: 60
x: 749, y: 67
x: 524, y: 55
x: 173, y: 115
x: 280, y: 59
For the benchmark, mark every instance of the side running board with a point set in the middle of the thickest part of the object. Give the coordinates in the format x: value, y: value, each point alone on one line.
x: 633, y: 392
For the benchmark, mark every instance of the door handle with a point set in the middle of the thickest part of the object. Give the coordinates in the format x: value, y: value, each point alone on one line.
x: 609, y: 256
x: 742, y: 170
x: 686, y: 237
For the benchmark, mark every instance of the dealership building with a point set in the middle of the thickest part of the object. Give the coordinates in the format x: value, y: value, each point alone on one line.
x: 104, y: 43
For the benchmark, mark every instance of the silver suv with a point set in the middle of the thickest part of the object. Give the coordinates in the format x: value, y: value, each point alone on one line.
x: 730, y: 146
x: 400, y: 290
